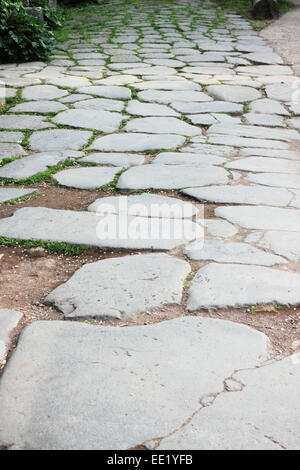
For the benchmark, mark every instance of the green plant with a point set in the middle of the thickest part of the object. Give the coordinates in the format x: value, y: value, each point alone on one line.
x: 53, y: 17
x: 22, y: 37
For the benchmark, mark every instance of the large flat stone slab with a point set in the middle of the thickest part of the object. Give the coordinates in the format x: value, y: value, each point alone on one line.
x: 170, y: 177
x: 261, y: 217
x: 137, y: 142
x: 98, y: 120
x: 255, y: 132
x: 123, y: 160
x: 167, y: 97
x: 11, y: 150
x: 211, y: 107
x: 262, y: 164
x: 286, y: 244
x: 86, y: 178
x: 59, y: 139
x: 233, y: 93
x: 10, y: 136
x: 262, y: 395
x: 43, y: 92
x: 117, y: 375
x: 40, y: 107
x: 9, y: 319
x: 113, y: 92
x: 162, y: 125
x: 100, y: 104
x: 9, y: 194
x: 23, y: 121
x: 102, y: 231
x: 137, y: 108
x: 121, y: 287
x: 188, y: 159
x: 280, y: 180
x: 235, y: 285
x: 231, y: 252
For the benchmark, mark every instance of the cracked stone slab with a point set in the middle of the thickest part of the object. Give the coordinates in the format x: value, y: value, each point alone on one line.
x: 123, y: 160
x: 232, y: 252
x: 280, y: 180
x: 32, y: 164
x: 108, y: 231
x: 235, y: 285
x: 9, y: 194
x: 11, y: 150
x: 113, y: 92
x: 236, y: 141
x: 96, y: 370
x: 262, y: 390
x: 86, y: 178
x: 9, y: 319
x: 241, y: 194
x: 41, y: 106
x: 286, y: 244
x: 121, y: 287
x: 137, y: 142
x: 264, y: 57
x: 170, y: 177
x: 162, y: 125
x: 99, y: 120
x: 59, y: 139
x: 261, y: 217
x: 145, y: 205
x: 167, y: 97
x: 11, y: 137
x: 100, y: 104
x: 234, y: 93
x: 137, y: 108
x: 43, y: 92
x: 254, y: 132
x: 23, y: 121
x: 262, y: 164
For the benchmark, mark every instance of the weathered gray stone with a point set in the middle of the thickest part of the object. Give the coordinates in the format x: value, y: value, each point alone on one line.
x: 280, y: 180
x: 260, y: 119
x: 11, y: 150
x: 266, y: 105
x: 236, y: 141
x: 73, y: 98
x: 170, y: 177
x: 234, y: 93
x: 114, y: 92
x: 10, y: 136
x: 9, y: 319
x: 261, y: 217
x: 241, y: 194
x: 255, y: 132
x: 68, y: 81
x: 236, y: 285
x: 115, y: 159
x: 9, y: 194
x: 43, y: 92
x: 262, y: 390
x: 146, y: 69
x: 101, y: 104
x: 187, y: 159
x: 121, y: 287
x: 99, y: 120
x: 167, y: 97
x: 258, y: 70
x: 232, y: 252
x: 137, y: 142
x: 59, y: 139
x: 23, y: 121
x: 94, y: 361
x: 219, y: 228
x: 108, y: 231
x: 86, y: 178
x: 274, y: 165
x: 264, y: 57
x: 182, y: 85
x: 137, y: 108
x: 281, y: 91
x: 162, y: 125
x: 286, y: 244
x: 273, y: 153
x: 40, y: 107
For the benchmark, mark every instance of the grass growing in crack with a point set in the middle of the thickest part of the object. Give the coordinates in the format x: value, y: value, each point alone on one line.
x: 112, y: 186
x: 60, y: 248
x: 28, y: 197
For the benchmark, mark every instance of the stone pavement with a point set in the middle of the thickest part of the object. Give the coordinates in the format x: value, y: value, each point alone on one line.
x: 182, y: 98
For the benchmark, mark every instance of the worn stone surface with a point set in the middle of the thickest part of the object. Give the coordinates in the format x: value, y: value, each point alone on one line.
x: 262, y: 164
x: 135, y: 107
x: 137, y: 142
x: 280, y: 180
x: 162, y: 125
x: 9, y: 319
x: 86, y: 178
x: 11, y: 150
x: 245, y: 285
x: 41, y: 106
x: 113, y: 92
x: 219, y: 228
x: 59, y: 139
x: 236, y: 94
x: 166, y: 97
x: 43, y: 92
x: 98, y: 120
x: 10, y: 136
x: 9, y: 194
x: 187, y: 159
x: 96, y: 370
x: 23, y: 121
x: 116, y: 159
x: 286, y: 244
x: 101, y: 104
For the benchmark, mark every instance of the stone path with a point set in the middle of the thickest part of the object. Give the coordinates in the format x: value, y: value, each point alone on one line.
x: 185, y: 99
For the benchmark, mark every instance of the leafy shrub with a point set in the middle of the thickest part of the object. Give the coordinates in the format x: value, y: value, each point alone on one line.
x: 53, y: 17
x: 22, y: 36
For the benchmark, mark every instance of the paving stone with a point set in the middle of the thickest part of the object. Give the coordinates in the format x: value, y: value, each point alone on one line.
x: 261, y: 217
x: 219, y: 228
x: 145, y: 205
x: 212, y: 107
x: 121, y: 287
x: 86, y: 178
x: 228, y: 418
x: 59, y: 139
x: 236, y: 141
x: 40, y: 107
x: 254, y: 132
x: 43, y: 92
x: 117, y: 80
x: 286, y: 244
x: 273, y: 153
x: 264, y: 58
x: 170, y: 177
x: 11, y: 150
x: 162, y: 125
x: 232, y: 252
x: 241, y: 194
x: 9, y: 319
x: 280, y: 180
x: 166, y: 85
x: 23, y: 121
x: 9, y: 194
x: 260, y: 119
x: 113, y: 92
x: 167, y: 97
x: 137, y: 142
x: 105, y: 232
x: 100, y: 103
x: 257, y: 70
x: 116, y: 159
x: 26, y: 167
x: 266, y: 105
x: 68, y: 81
x: 209, y: 69
x: 262, y: 164
x: 99, y: 120
x: 137, y: 108
x: 187, y: 159
x: 281, y: 91
x: 165, y: 62
x: 73, y: 98
x: 10, y: 136
x: 234, y: 285
x: 96, y: 375
x: 236, y: 94
x: 147, y: 69
x: 294, y: 122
